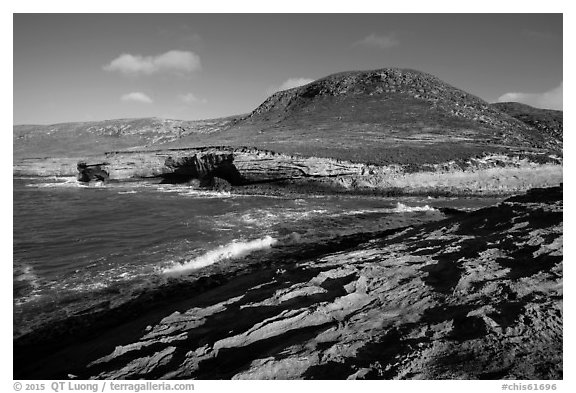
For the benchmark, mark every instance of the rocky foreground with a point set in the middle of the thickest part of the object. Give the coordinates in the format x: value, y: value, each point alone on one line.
x: 476, y: 296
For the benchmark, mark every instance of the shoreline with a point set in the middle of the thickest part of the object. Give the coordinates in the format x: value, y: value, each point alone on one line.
x: 40, y: 354
x: 168, y: 297
x: 251, y: 171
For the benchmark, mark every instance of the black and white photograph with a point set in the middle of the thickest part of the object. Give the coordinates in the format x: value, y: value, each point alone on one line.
x: 287, y: 196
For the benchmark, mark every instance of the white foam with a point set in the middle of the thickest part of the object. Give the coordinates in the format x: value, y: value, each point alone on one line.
x: 206, y: 194
x: 269, y: 217
x: 169, y: 189
x: 58, y: 182
x: 26, y: 273
x: 235, y: 249
x: 66, y: 182
x: 89, y: 287
x: 193, y: 192
x: 402, y: 208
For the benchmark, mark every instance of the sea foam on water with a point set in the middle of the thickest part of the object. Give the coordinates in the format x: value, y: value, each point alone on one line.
x: 235, y: 249
x: 402, y: 208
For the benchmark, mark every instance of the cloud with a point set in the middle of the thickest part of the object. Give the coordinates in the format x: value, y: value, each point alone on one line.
x: 190, y: 98
x: 137, y: 97
x: 378, y: 41
x: 290, y: 83
x: 172, y: 61
x: 551, y: 99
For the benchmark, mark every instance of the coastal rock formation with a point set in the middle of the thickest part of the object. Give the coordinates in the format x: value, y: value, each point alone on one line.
x: 474, y: 296
x: 204, y: 167
x: 237, y: 166
x: 93, y: 172
x: 240, y: 167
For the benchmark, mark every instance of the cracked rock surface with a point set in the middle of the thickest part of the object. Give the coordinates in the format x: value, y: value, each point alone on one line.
x: 473, y: 296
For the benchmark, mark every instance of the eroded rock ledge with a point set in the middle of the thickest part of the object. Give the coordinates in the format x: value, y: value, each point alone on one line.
x: 487, y: 174
x: 239, y: 166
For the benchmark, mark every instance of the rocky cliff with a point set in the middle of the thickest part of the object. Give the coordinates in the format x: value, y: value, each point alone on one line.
x: 249, y: 170
x: 240, y: 167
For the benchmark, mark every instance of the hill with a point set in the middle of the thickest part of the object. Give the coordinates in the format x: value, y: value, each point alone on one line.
x: 383, y: 116
x: 86, y: 138
x: 547, y: 121
x: 386, y: 116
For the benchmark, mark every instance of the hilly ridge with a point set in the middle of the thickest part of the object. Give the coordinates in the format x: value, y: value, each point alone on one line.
x: 101, y: 136
x: 383, y: 117
x: 547, y: 121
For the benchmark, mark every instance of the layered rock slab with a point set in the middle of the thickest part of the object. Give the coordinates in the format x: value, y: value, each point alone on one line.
x: 477, y: 296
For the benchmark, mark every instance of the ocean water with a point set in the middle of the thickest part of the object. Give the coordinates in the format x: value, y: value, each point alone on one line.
x: 76, y: 247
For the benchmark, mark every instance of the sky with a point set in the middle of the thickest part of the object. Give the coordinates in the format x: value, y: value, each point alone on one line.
x: 85, y: 67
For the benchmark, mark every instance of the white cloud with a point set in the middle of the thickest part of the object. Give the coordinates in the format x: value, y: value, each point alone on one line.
x: 190, y: 98
x: 137, y: 97
x: 378, y: 41
x: 171, y: 61
x: 551, y: 99
x: 294, y: 82
x: 290, y: 84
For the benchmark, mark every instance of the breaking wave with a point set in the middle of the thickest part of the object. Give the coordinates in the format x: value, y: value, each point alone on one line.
x: 402, y: 208
x: 235, y: 249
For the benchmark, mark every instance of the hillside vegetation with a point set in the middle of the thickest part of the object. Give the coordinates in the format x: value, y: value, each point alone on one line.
x: 382, y: 117
x: 97, y: 137
x: 547, y: 121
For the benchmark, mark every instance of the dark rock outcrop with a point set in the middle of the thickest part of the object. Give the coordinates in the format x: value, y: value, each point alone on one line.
x: 93, y: 172
x: 204, y: 167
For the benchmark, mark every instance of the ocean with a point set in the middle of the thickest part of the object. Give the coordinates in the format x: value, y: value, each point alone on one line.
x: 79, y: 247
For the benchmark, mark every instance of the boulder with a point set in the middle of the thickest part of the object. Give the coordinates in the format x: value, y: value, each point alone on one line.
x: 93, y: 172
